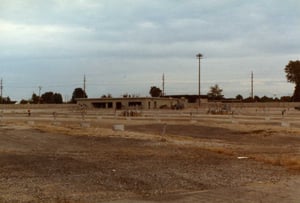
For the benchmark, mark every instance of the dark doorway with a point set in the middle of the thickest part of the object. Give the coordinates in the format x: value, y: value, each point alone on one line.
x: 118, y: 105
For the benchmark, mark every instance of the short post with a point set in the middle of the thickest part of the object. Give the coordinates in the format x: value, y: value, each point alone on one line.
x: 164, y: 129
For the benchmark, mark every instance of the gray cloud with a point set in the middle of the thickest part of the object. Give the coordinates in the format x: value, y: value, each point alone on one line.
x: 128, y: 39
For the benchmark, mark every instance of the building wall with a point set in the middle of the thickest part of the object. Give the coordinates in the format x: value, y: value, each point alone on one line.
x: 130, y: 103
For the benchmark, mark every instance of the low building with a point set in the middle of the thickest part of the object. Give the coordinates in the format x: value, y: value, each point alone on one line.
x: 192, y: 101
x: 133, y: 103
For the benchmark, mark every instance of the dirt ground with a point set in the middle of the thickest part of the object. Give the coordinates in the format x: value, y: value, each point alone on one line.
x: 149, y: 162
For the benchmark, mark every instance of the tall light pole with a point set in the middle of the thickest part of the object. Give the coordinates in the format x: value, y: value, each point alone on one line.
x: 199, y: 56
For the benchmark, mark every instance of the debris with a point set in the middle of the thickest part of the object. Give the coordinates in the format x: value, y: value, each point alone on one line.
x: 243, y: 157
x: 118, y: 127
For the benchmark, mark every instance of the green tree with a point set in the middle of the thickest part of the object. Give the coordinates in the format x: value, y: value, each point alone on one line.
x: 23, y: 101
x: 215, y: 92
x: 78, y: 93
x: 47, y: 98
x: 257, y: 98
x: 155, y: 92
x: 286, y: 99
x: 35, y: 99
x: 57, y: 97
x: 292, y: 71
x: 248, y: 99
x: 6, y: 100
x: 239, y: 97
x: 51, y: 98
x: 266, y: 99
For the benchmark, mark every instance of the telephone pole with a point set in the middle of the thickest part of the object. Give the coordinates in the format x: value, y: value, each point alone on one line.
x: 252, y: 89
x: 40, y: 89
x: 163, y: 85
x: 84, y: 83
x: 1, y: 90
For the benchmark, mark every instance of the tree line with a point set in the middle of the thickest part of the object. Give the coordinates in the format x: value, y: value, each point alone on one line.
x: 292, y: 70
x: 54, y: 97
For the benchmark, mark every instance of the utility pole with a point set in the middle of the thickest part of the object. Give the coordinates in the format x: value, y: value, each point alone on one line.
x: 40, y: 89
x: 84, y: 83
x: 66, y: 98
x: 199, y: 56
x: 252, y: 89
x: 1, y: 90
x: 163, y: 84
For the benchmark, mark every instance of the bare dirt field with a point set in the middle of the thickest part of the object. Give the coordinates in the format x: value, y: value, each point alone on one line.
x: 151, y: 161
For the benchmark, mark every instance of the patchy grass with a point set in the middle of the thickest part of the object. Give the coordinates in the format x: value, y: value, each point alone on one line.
x: 287, y: 160
x: 290, y: 161
x: 221, y: 150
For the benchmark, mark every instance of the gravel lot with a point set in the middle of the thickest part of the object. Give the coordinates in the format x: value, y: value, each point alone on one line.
x: 42, y: 162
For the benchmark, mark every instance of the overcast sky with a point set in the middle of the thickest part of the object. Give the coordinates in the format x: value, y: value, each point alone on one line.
x: 124, y: 46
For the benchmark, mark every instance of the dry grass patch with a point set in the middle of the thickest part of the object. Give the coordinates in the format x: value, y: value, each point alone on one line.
x: 290, y: 161
x: 73, y: 130
x: 219, y: 150
x: 251, y: 128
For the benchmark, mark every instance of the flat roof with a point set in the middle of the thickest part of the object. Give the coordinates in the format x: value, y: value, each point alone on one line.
x: 125, y: 98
